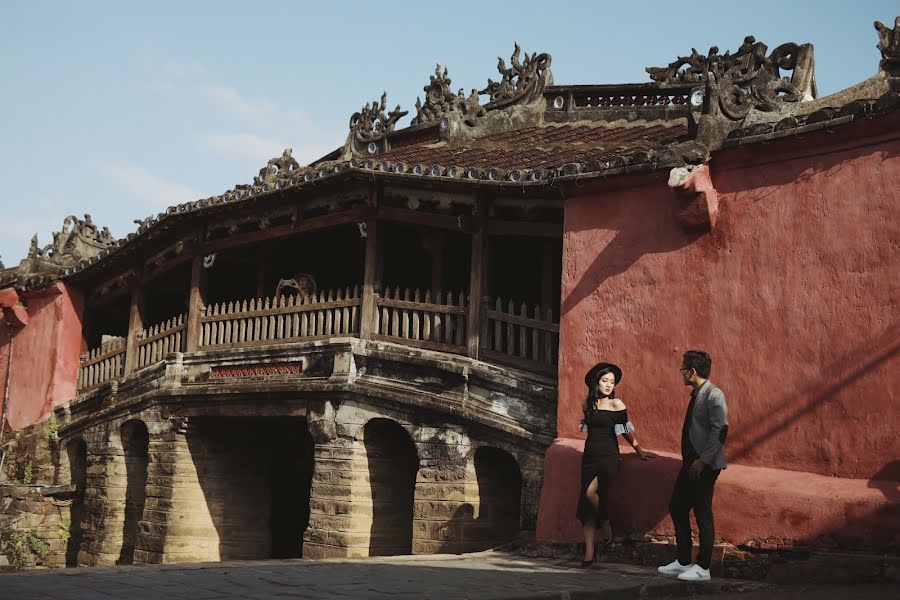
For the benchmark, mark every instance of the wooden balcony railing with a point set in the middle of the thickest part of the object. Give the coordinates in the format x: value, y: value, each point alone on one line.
x: 413, y: 318
x: 522, y: 337
x: 101, y: 364
x: 511, y: 333
x: 154, y: 343
x: 267, y: 321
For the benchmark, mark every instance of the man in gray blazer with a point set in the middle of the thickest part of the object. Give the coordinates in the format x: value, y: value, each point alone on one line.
x: 702, y: 438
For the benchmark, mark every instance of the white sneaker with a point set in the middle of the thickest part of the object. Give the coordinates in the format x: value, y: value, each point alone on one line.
x: 694, y: 573
x: 674, y: 568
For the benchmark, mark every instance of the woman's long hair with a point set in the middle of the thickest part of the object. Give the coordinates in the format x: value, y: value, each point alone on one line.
x: 592, y: 391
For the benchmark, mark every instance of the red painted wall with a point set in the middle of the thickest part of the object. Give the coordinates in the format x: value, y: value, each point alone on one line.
x: 794, y: 294
x: 45, y: 355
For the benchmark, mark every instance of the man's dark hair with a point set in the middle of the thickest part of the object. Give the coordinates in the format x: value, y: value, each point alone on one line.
x: 699, y: 361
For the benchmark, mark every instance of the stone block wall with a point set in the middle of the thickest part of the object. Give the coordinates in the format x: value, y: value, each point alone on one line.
x: 33, y: 527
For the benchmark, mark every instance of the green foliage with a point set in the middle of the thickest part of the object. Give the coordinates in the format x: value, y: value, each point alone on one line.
x: 27, y: 476
x: 65, y: 530
x: 18, y: 545
x: 53, y: 433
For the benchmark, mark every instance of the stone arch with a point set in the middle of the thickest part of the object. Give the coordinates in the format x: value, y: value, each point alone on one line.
x: 135, y: 447
x: 499, y: 498
x: 75, y: 456
x: 392, y: 464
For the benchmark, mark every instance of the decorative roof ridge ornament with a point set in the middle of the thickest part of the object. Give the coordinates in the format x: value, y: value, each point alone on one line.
x: 747, y: 79
x: 889, y: 45
x: 371, y: 122
x: 440, y: 101
x: 522, y: 82
x: 78, y: 240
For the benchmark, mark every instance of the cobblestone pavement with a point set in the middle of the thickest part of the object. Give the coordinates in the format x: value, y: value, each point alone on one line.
x: 486, y: 575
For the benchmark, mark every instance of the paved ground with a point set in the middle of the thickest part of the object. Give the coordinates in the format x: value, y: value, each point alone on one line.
x: 487, y: 575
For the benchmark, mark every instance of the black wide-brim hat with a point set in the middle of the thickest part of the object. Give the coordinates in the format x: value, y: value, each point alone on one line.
x: 593, y: 376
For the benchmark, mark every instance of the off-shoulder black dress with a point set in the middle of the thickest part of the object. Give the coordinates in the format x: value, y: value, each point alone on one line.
x: 601, y: 459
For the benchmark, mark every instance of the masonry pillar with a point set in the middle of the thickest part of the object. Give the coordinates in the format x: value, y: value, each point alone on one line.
x: 104, y: 499
x: 178, y: 524
x: 443, y: 505
x: 337, y: 523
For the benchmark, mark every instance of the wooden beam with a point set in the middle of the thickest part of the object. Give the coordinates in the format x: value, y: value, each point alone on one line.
x: 280, y: 231
x: 464, y: 223
x: 135, y: 326
x: 523, y: 228
x: 477, y: 279
x: 196, y: 302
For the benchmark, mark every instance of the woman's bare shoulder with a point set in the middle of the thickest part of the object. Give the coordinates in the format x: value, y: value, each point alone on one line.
x: 618, y: 404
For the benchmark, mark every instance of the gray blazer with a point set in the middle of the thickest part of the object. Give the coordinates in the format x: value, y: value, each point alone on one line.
x: 709, y: 418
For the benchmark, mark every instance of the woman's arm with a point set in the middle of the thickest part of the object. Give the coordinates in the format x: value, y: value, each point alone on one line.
x: 628, y: 434
x: 629, y: 437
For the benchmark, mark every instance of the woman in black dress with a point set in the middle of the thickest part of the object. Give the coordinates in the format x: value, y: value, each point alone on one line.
x: 605, y: 417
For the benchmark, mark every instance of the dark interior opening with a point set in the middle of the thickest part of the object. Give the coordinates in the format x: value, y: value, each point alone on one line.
x: 166, y: 296
x: 135, y: 444
x: 335, y: 258
x: 393, y: 465
x: 499, y: 496
x: 106, y: 320
x: 526, y: 270
x: 425, y: 259
x: 76, y: 451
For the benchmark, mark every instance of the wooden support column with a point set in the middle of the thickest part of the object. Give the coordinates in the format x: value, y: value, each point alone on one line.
x: 373, y: 268
x: 196, y: 302
x: 135, y: 325
x: 477, y: 278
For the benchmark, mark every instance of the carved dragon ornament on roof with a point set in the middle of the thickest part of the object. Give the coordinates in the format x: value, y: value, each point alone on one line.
x: 372, y: 122
x: 78, y: 240
x: 521, y: 82
x: 889, y: 45
x: 440, y: 101
x: 748, y: 79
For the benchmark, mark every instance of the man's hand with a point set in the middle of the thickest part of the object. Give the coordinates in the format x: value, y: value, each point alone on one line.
x: 696, y: 468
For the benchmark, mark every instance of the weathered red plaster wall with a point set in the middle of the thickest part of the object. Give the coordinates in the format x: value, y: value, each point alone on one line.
x: 794, y: 295
x: 45, y: 355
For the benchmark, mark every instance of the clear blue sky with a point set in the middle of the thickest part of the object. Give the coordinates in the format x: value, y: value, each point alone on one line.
x: 120, y: 109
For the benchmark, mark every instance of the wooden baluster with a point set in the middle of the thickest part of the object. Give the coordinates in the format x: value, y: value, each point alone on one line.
x: 329, y: 320
x: 450, y: 322
x: 536, y: 337
x: 345, y: 314
x: 498, y: 327
x: 414, y: 325
x: 404, y: 329
x: 510, y: 331
x: 523, y: 333
x: 429, y: 317
x: 354, y: 312
x: 395, y: 315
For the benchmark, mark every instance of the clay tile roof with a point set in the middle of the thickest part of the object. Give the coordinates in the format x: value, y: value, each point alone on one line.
x: 544, y: 147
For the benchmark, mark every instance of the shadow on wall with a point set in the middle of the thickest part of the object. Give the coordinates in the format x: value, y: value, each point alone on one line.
x: 626, y: 238
x: 838, y: 375
x: 393, y: 463
x: 881, y: 526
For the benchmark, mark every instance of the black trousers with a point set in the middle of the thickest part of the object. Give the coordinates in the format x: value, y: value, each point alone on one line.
x: 697, y: 495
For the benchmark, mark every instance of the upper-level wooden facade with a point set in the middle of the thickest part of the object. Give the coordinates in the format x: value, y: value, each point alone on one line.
x: 394, y: 263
